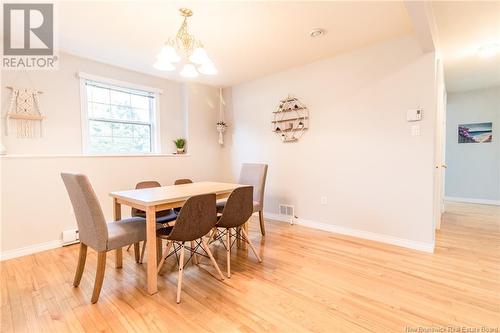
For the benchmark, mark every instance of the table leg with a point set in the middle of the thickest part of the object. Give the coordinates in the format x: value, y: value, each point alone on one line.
x: 152, y: 255
x: 117, y: 215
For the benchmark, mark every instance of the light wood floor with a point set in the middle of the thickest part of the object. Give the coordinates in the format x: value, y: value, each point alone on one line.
x: 336, y: 284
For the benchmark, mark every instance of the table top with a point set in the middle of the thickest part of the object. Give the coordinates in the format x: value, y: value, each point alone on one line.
x: 173, y: 193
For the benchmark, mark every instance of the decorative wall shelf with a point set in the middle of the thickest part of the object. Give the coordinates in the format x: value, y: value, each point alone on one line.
x: 290, y: 119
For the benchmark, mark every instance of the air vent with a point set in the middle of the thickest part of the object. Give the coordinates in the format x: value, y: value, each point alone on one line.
x: 287, y: 211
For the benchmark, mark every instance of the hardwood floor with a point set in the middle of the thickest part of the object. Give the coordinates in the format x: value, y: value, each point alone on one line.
x: 336, y: 284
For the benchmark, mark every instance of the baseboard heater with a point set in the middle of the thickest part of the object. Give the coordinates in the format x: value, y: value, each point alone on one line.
x: 70, y: 237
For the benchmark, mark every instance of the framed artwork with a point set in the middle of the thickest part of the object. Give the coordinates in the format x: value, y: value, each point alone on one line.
x: 475, y: 133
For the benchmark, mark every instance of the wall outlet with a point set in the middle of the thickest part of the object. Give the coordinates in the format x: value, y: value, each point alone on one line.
x: 324, y: 200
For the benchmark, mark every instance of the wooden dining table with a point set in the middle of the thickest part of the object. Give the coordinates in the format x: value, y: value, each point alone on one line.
x: 152, y: 200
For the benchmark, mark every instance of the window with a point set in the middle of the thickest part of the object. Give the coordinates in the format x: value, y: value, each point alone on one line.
x: 118, y: 118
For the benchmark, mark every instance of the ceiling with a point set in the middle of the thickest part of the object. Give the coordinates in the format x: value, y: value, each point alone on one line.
x: 463, y: 27
x: 246, y: 40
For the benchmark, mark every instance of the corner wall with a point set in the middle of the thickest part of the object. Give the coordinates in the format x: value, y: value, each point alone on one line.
x: 358, y: 151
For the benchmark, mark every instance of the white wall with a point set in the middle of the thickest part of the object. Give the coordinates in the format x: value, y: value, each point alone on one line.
x: 473, y: 172
x: 35, y: 204
x: 358, y: 152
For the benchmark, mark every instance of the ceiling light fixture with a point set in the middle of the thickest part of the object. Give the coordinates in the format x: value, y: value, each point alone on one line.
x: 489, y: 50
x: 193, y: 57
x: 318, y: 32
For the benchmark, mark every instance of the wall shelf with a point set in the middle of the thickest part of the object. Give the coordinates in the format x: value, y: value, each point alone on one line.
x: 293, y: 116
x: 288, y: 119
x: 290, y: 110
x: 290, y: 130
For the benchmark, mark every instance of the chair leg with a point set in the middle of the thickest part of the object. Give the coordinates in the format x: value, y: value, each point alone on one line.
x: 143, y: 251
x: 99, y: 275
x: 213, y: 233
x: 159, y: 250
x: 128, y: 247
x: 228, y: 252
x: 262, y: 226
x: 193, y: 253
x: 165, y: 254
x: 137, y: 252
x: 212, y: 259
x: 251, y: 246
x: 181, y: 268
x: 238, y: 240
x: 81, y: 264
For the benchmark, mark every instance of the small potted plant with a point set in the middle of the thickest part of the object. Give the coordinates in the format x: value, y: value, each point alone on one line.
x: 180, y: 144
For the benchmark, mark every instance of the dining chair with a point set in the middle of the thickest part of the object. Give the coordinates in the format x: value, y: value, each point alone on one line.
x: 197, y: 217
x: 164, y: 216
x: 183, y: 181
x: 94, y: 231
x: 253, y: 174
x: 237, y: 211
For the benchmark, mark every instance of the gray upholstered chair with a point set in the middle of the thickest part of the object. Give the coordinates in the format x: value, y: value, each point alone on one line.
x: 94, y: 231
x: 253, y: 174
x: 183, y: 181
x: 237, y: 211
x: 197, y: 217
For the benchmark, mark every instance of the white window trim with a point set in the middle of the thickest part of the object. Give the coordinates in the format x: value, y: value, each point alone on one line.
x: 155, y: 124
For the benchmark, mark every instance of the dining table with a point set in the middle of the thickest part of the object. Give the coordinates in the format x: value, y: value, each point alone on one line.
x: 152, y: 200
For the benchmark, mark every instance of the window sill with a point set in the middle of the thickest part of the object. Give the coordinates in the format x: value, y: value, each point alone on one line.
x: 15, y: 156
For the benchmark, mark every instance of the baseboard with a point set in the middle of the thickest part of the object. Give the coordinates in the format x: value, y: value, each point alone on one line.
x: 410, y: 244
x: 23, y: 251
x: 474, y: 201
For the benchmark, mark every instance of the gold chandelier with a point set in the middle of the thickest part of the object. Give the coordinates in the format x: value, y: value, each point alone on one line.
x: 187, y: 51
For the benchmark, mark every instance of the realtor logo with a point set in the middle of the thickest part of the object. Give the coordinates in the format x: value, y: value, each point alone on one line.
x: 28, y: 41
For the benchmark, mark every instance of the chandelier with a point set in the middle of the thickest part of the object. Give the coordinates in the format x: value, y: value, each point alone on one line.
x: 186, y: 51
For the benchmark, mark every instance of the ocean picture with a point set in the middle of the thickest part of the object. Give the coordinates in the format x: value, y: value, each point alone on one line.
x: 475, y: 133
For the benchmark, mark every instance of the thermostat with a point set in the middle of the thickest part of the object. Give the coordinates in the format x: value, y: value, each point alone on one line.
x: 414, y: 115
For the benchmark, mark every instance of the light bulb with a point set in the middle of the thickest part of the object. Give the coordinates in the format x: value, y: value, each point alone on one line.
x: 199, y: 56
x: 189, y: 71
x: 208, y: 69
x: 168, y: 54
x: 164, y: 66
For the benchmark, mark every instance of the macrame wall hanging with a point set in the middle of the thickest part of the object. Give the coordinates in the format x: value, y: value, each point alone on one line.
x: 221, y: 124
x: 24, y: 113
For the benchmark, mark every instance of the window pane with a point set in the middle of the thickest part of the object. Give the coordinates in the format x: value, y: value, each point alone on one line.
x: 122, y: 130
x: 121, y: 112
x: 98, y: 110
x: 101, y: 144
x: 140, y: 115
x: 100, y: 128
x: 100, y: 95
x: 120, y: 98
x: 113, y: 116
x: 141, y: 102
